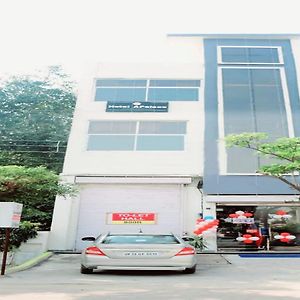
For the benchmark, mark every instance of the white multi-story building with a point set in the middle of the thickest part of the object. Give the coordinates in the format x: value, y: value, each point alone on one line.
x: 146, y: 147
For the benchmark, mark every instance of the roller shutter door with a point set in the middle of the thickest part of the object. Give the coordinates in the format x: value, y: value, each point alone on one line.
x: 97, y: 202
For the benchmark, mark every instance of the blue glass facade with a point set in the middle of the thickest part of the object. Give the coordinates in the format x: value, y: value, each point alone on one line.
x: 251, y: 86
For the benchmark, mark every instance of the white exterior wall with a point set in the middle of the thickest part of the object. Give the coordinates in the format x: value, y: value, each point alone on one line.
x: 183, y: 59
x: 174, y: 58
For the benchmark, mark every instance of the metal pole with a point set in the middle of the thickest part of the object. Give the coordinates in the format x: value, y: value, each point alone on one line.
x: 5, y: 250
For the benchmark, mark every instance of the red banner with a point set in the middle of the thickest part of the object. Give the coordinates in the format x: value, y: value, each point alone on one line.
x: 133, y: 218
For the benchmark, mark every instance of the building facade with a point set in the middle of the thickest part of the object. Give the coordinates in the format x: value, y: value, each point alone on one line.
x: 147, y: 150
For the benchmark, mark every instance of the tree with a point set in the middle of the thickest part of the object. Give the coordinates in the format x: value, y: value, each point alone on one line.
x: 36, y: 188
x: 286, y: 151
x: 36, y: 113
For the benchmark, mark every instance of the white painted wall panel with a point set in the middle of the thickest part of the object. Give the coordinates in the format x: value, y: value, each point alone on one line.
x: 179, y: 59
x: 96, y: 202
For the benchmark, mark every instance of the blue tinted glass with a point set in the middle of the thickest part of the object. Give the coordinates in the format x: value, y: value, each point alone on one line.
x: 120, y: 94
x: 111, y: 142
x: 175, y: 83
x: 160, y: 143
x: 270, y: 111
x: 250, y: 55
x: 234, y: 55
x: 252, y: 103
x: 263, y: 55
x: 114, y: 127
x: 238, y: 115
x: 156, y: 127
x: 241, y: 161
x: 121, y: 82
x: 266, y: 77
x: 236, y: 76
x: 172, y: 94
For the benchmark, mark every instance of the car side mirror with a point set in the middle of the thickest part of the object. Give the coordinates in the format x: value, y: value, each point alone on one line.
x: 88, y: 238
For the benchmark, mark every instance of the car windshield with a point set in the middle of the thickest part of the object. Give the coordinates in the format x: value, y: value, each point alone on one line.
x: 140, y: 239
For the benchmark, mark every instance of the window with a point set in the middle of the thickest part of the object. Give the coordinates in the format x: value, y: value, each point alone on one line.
x: 154, y: 90
x: 252, y: 99
x: 136, y: 135
x: 249, y: 55
x: 140, y: 239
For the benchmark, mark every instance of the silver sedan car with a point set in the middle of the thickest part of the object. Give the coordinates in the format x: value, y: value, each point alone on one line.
x: 138, y: 251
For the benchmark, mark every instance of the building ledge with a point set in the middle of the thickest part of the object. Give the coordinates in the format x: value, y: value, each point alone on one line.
x: 133, y: 179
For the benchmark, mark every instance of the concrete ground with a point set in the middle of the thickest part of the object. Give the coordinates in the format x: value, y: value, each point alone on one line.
x: 217, y: 277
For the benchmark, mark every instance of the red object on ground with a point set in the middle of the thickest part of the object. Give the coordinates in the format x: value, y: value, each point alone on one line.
x: 281, y: 212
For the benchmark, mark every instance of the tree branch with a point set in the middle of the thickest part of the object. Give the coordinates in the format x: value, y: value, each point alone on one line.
x: 294, y: 186
x: 269, y: 153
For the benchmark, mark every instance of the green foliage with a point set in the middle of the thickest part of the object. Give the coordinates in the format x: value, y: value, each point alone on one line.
x: 19, y: 235
x: 36, y: 188
x: 196, y: 241
x: 285, y: 150
x: 244, y: 139
x: 36, y: 114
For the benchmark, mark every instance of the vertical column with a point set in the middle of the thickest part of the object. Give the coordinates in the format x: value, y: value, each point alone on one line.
x: 209, y: 238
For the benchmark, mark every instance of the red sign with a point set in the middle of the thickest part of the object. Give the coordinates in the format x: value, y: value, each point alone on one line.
x: 133, y: 218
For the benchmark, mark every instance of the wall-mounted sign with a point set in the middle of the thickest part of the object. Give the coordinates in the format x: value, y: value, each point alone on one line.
x: 240, y: 220
x: 137, y: 106
x: 10, y: 214
x: 133, y: 218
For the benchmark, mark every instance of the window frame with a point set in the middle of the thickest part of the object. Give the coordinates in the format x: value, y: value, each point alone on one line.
x: 221, y: 62
x: 147, y: 87
x: 137, y: 134
x: 221, y: 127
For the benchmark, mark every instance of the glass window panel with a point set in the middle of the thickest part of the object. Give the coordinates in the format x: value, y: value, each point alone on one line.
x: 140, y: 239
x: 120, y: 94
x: 249, y: 55
x: 238, y: 111
x: 111, y: 142
x: 121, y: 82
x: 267, y: 226
x: 263, y: 55
x: 265, y: 76
x: 175, y: 83
x: 270, y: 111
x: 173, y: 94
x: 160, y: 143
x: 253, y: 106
x: 97, y: 127
x: 236, y: 76
x: 234, y: 54
x: 155, y: 127
x: 241, y: 161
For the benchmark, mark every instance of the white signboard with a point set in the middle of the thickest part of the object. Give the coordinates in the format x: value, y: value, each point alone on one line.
x: 240, y: 220
x: 10, y: 214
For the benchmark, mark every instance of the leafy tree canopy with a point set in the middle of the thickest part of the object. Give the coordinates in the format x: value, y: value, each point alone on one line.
x: 286, y: 151
x: 36, y: 188
x: 36, y: 113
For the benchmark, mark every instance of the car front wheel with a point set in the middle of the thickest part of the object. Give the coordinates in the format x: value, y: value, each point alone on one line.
x: 84, y: 270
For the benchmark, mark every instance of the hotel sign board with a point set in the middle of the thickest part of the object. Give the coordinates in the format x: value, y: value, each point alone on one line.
x: 10, y: 214
x: 137, y: 106
x: 134, y: 218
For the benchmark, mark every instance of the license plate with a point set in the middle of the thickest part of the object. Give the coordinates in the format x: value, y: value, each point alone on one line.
x: 141, y: 254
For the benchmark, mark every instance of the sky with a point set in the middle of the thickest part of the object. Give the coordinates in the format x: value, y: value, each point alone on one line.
x: 37, y: 33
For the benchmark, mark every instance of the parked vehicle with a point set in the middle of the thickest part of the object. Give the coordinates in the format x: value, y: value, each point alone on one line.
x: 138, y: 251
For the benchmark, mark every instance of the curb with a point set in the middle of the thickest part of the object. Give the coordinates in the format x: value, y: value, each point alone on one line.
x: 30, y: 263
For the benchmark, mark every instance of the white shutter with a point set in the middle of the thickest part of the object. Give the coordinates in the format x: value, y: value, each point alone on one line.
x: 96, y: 203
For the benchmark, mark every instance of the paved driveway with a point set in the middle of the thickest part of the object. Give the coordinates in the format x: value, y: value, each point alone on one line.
x: 216, y: 278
